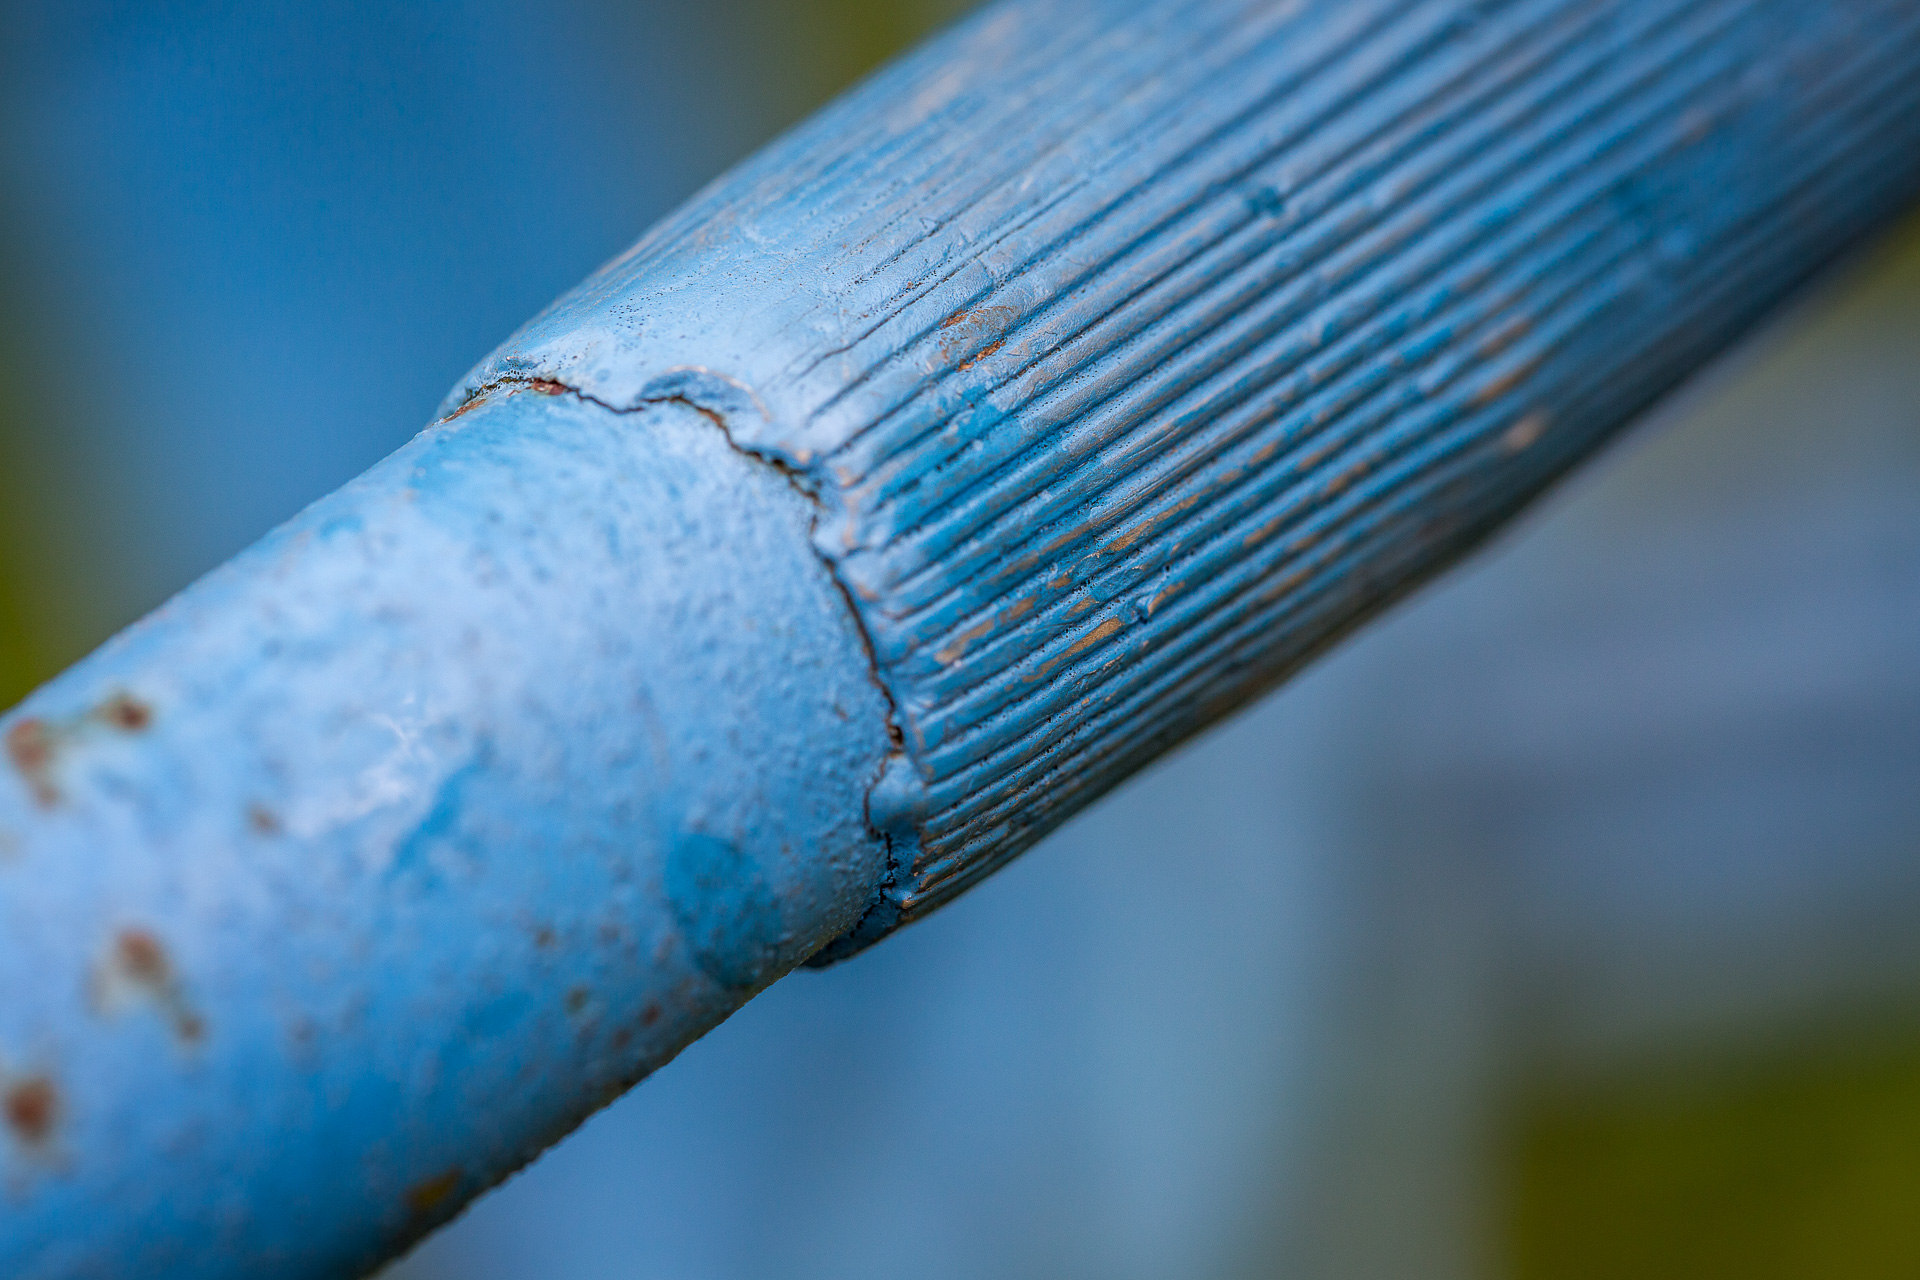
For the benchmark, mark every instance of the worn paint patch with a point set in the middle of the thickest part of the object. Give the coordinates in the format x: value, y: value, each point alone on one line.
x: 31, y: 750
x: 35, y: 745
x: 726, y: 908
x: 429, y: 1195
x: 30, y: 1106
x: 137, y: 969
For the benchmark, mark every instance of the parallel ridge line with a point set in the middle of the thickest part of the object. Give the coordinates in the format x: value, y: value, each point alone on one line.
x: 1139, y: 428
x: 1134, y: 685
x: 1754, y: 236
x: 990, y: 659
x: 1162, y: 135
x: 1226, y: 322
x: 1396, y: 95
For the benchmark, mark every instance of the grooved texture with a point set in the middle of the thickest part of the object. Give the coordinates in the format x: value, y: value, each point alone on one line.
x: 1136, y: 351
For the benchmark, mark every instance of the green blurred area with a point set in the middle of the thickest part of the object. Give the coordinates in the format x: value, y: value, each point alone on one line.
x: 1800, y: 1167
x: 40, y: 628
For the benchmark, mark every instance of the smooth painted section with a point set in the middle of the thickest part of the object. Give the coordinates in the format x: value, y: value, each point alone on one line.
x: 366, y: 868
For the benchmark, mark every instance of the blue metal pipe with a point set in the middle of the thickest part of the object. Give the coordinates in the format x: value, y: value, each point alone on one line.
x: 1042, y: 401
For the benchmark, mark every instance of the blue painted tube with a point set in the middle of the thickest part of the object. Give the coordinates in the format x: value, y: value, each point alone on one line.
x: 1045, y: 399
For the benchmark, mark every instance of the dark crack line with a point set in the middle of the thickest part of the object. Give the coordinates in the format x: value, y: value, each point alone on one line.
x: 800, y: 481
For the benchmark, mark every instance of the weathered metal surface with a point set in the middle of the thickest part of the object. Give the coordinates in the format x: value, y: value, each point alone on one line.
x: 362, y: 871
x: 1037, y: 404
x: 1136, y: 350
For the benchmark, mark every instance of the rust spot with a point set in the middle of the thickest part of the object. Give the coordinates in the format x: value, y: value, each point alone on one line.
x: 32, y: 1105
x: 1524, y: 433
x: 31, y: 748
x: 950, y: 652
x: 1504, y: 383
x: 141, y: 957
x: 262, y: 820
x: 1019, y: 609
x: 982, y: 354
x: 425, y: 1196
x: 577, y: 998
x: 1078, y: 647
x: 549, y: 387
x: 126, y: 713
x: 544, y: 937
x: 650, y: 1014
x: 1504, y: 336
x: 976, y: 323
x: 138, y: 967
x: 1066, y: 537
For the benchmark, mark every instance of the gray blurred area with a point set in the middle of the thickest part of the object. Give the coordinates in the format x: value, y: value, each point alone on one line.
x: 1633, y: 798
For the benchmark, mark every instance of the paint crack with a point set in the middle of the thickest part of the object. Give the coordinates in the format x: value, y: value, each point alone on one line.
x: 893, y: 826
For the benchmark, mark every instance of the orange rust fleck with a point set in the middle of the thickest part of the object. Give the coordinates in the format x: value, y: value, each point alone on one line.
x: 1522, y: 434
x: 1095, y: 636
x: 983, y: 320
x: 1338, y: 485
x: 263, y: 820
x: 139, y: 961
x: 950, y: 652
x: 1502, y: 384
x: 31, y: 748
x: 1065, y: 538
x: 650, y: 1015
x: 1152, y: 526
x: 982, y: 354
x: 31, y: 1106
x: 1284, y: 584
x: 126, y: 713
x: 141, y: 957
x: 1266, y: 530
x: 548, y: 387
x: 1505, y: 336
x: 425, y: 1196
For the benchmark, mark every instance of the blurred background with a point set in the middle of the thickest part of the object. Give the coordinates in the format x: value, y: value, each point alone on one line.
x: 1564, y: 923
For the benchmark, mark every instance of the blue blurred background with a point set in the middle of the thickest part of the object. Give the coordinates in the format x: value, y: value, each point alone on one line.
x: 1565, y: 923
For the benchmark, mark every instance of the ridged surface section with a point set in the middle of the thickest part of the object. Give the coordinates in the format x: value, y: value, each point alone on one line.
x: 1134, y: 352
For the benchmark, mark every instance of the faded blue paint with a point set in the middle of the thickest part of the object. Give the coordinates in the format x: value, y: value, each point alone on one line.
x: 357, y: 874
x: 1110, y: 359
